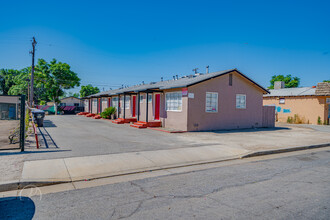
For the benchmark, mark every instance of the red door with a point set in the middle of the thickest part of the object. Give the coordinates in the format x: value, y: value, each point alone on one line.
x: 134, y: 107
x: 157, y: 106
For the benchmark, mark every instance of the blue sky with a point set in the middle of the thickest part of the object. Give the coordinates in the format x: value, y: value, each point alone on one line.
x: 110, y: 43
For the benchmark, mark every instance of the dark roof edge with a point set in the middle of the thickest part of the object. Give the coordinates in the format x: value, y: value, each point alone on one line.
x: 271, y: 96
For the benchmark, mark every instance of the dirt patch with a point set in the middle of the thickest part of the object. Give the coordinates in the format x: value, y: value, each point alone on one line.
x: 8, y: 127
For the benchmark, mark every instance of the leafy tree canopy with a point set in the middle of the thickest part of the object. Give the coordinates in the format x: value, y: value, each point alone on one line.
x: 51, y: 81
x: 7, y: 77
x: 289, y: 81
x: 326, y: 81
x: 55, y: 77
x: 88, y: 90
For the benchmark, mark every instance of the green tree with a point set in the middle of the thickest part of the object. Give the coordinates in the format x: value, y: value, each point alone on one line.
x: 21, y: 85
x: 7, y: 77
x: 289, y: 81
x: 21, y: 82
x: 326, y: 81
x: 56, y: 77
x: 88, y: 90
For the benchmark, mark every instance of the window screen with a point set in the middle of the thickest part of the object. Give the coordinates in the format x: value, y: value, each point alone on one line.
x: 211, y: 102
x: 173, y: 101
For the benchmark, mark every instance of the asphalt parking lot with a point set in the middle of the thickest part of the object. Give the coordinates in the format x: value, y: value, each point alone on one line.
x: 76, y: 136
x: 80, y: 136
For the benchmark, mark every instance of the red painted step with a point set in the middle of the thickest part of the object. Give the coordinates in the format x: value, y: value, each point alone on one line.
x: 97, y: 117
x: 143, y: 124
x: 122, y: 120
x: 154, y: 124
x: 138, y: 126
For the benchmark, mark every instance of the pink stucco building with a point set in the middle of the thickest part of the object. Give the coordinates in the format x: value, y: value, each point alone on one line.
x: 219, y: 100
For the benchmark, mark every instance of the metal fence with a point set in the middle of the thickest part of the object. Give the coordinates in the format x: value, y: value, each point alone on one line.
x: 12, y: 122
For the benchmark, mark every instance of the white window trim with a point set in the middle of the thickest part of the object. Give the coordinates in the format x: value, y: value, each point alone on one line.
x: 166, y: 102
x: 236, y: 101
x: 114, y: 102
x: 127, y: 105
x: 217, y: 109
x: 142, y: 100
x: 149, y: 94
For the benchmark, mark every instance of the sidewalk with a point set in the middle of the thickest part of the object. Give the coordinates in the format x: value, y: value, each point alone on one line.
x: 91, y: 167
x: 87, y: 154
x: 54, y: 171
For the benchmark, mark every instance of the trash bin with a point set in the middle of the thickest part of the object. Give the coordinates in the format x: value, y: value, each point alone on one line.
x: 38, y: 117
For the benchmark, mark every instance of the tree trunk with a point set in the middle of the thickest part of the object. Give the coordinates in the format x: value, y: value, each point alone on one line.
x: 55, y: 107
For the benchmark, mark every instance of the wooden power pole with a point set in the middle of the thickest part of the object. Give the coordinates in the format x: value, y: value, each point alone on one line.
x: 34, y: 42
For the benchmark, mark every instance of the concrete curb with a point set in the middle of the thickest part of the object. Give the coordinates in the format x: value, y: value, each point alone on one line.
x: 16, y: 185
x: 284, y: 150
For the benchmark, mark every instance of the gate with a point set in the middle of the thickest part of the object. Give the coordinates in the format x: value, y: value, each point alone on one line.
x: 12, y: 122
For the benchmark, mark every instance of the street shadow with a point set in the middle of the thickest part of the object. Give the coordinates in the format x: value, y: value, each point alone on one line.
x: 49, y: 124
x: 247, y: 130
x: 17, y: 208
x: 47, y: 138
x: 31, y: 152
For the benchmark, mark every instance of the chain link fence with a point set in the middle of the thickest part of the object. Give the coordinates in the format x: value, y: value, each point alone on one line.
x: 12, y: 122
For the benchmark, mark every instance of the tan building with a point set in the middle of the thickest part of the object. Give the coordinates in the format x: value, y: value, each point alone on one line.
x: 307, y: 105
x: 69, y: 101
x: 219, y: 100
x: 9, y: 107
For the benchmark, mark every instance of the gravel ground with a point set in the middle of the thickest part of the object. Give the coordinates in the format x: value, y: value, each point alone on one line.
x: 6, y: 128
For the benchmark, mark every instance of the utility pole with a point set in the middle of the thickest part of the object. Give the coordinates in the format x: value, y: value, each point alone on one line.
x: 34, y: 42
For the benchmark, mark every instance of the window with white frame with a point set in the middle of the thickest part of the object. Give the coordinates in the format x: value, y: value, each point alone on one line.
x: 141, y: 98
x: 114, y: 102
x: 240, y: 101
x: 211, y: 102
x: 127, y: 101
x: 173, y: 101
x: 149, y: 98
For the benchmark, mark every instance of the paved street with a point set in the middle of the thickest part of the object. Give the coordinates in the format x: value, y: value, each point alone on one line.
x: 291, y: 186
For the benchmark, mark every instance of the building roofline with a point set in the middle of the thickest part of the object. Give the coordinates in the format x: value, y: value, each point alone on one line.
x: 230, y: 71
x: 162, y: 86
x: 70, y: 97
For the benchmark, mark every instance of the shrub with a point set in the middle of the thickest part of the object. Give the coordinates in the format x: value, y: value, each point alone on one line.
x: 289, y: 120
x: 319, y: 121
x: 108, y: 112
x: 298, y: 120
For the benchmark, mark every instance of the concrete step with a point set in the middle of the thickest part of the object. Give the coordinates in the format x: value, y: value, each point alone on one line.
x: 154, y: 124
x: 97, y: 117
x: 138, y: 126
x: 117, y: 122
